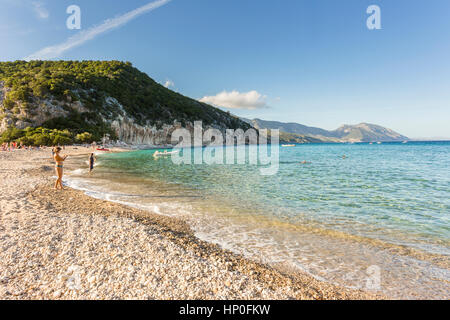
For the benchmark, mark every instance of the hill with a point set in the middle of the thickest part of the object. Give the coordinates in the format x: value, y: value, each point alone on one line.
x: 363, y: 132
x: 367, y: 132
x: 291, y: 127
x: 96, y: 98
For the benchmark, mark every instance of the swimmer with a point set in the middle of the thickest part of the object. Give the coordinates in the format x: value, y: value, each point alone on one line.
x: 91, y: 162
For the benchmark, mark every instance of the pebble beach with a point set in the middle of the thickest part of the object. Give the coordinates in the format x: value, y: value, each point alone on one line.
x: 63, y: 244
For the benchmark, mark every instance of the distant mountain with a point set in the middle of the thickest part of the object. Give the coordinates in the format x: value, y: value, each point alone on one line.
x: 366, y: 132
x: 286, y: 137
x: 287, y: 127
x: 363, y: 132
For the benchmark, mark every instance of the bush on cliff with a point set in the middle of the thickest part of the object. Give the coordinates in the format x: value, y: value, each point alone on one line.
x: 39, y: 136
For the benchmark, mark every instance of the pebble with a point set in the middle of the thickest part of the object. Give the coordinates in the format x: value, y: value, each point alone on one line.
x: 66, y: 248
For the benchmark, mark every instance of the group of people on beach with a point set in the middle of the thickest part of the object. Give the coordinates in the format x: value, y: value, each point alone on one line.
x: 56, y: 156
x: 59, y: 165
x: 11, y: 146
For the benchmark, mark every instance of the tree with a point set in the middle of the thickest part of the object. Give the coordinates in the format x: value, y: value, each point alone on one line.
x: 9, y: 104
x: 62, y: 140
x: 84, y: 137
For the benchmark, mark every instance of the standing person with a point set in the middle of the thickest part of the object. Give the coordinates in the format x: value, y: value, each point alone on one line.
x: 91, y: 162
x: 59, y: 167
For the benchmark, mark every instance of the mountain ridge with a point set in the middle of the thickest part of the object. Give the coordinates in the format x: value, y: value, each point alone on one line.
x: 362, y: 132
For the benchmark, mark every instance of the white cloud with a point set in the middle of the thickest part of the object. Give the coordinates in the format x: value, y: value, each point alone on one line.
x: 40, y: 10
x: 93, y: 32
x: 235, y: 100
x: 169, y: 84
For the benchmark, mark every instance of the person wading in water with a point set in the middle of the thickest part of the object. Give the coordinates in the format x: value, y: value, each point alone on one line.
x: 59, y: 167
x: 91, y: 162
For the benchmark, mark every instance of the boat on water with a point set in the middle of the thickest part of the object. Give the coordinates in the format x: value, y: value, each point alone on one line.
x: 288, y: 145
x: 165, y: 153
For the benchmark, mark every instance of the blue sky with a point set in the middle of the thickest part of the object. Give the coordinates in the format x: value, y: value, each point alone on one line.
x: 309, y: 61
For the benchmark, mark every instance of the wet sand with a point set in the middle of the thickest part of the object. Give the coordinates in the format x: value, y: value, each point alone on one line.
x: 67, y: 245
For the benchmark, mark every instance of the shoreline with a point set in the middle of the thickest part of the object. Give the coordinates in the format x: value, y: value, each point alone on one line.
x: 167, y: 260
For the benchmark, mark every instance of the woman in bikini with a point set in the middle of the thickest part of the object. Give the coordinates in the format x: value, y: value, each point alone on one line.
x: 59, y: 167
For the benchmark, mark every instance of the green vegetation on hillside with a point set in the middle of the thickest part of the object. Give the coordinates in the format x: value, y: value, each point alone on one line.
x: 44, y: 137
x: 91, y: 82
x: 286, y: 137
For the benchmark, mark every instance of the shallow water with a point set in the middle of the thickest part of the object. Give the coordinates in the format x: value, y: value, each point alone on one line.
x: 382, y: 213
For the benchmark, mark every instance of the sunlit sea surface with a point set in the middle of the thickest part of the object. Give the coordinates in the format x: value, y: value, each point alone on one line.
x: 378, y: 219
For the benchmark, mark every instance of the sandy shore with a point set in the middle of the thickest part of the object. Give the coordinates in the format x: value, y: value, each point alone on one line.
x: 66, y: 245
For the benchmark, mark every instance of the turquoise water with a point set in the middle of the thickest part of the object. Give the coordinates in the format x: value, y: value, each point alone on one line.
x: 384, y: 205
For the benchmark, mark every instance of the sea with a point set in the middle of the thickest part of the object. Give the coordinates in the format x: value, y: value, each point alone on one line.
x: 374, y: 216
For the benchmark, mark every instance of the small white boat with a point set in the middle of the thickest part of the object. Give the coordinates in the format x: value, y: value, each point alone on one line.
x: 165, y: 153
x: 288, y: 145
x: 405, y: 142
